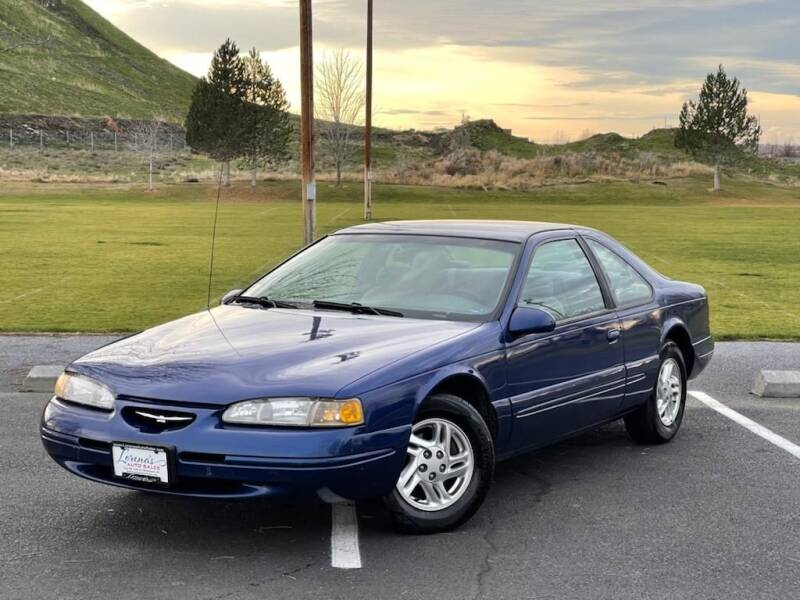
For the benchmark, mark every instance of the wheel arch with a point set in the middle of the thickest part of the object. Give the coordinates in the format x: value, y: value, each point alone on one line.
x: 676, y: 331
x: 466, y: 383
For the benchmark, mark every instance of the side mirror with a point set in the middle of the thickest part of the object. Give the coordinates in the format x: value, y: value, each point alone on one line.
x: 526, y: 320
x: 230, y: 296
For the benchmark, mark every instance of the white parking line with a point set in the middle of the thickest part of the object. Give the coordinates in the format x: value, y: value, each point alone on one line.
x: 345, y: 553
x: 759, y: 430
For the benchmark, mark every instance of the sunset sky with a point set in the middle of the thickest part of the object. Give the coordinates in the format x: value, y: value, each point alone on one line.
x: 549, y: 70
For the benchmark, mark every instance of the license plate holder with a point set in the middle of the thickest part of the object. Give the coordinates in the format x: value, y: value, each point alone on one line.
x: 142, y: 463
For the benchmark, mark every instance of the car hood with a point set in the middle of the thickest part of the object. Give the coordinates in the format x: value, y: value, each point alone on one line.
x: 233, y: 353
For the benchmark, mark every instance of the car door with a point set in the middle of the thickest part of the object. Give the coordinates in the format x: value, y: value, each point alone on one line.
x: 573, y: 377
x: 639, y: 317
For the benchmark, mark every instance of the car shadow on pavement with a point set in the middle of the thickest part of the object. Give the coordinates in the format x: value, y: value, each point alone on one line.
x: 520, y: 483
x: 211, y: 528
x: 208, y: 528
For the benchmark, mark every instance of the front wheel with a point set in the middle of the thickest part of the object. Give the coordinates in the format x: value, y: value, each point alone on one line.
x: 448, y: 469
x: 659, y: 420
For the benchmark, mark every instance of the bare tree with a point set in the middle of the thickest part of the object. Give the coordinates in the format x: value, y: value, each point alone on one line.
x: 339, y: 104
x: 788, y: 148
x: 147, y: 136
x: 560, y: 138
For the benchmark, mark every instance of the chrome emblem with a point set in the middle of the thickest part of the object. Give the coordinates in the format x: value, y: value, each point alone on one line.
x: 162, y: 419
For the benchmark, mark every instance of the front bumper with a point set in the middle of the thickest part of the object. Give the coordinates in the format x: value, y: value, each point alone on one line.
x: 215, y: 461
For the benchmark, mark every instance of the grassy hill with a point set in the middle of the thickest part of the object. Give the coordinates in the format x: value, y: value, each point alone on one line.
x: 487, y: 135
x: 59, y: 57
x: 657, y: 141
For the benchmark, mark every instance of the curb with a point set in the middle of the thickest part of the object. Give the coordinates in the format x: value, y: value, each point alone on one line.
x: 41, y: 378
x: 777, y: 384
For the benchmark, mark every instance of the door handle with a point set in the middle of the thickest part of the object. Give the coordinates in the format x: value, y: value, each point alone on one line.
x: 613, y: 335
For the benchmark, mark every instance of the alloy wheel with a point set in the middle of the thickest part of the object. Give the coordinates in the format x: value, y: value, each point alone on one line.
x: 669, y: 391
x: 440, y: 465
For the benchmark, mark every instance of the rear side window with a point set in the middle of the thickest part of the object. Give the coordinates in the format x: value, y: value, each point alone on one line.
x: 627, y: 286
x: 562, y: 282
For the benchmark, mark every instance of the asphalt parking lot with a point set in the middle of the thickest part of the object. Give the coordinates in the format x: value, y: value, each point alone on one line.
x: 713, y: 515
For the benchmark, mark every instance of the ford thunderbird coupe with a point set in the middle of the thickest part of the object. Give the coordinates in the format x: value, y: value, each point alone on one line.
x: 396, y: 360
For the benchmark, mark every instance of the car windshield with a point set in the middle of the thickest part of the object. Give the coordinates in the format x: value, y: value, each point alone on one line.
x: 419, y: 276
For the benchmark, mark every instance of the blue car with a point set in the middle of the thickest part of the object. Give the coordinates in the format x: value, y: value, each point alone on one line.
x: 397, y: 360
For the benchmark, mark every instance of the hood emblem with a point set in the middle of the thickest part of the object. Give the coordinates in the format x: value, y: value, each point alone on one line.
x: 163, y: 419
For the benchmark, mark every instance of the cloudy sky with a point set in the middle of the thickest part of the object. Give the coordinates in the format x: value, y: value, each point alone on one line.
x: 549, y: 70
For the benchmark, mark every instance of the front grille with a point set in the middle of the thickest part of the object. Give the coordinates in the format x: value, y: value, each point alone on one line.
x: 155, y: 420
x: 202, y: 457
x: 208, y: 487
x: 95, y: 444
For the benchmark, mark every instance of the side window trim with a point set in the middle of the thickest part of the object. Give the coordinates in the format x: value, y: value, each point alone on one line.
x: 602, y: 280
x: 599, y: 276
x: 598, y: 266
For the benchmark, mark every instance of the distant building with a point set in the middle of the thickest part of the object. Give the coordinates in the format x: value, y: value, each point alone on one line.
x: 510, y: 133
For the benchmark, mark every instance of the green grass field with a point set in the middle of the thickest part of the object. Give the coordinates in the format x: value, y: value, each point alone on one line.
x: 114, y: 258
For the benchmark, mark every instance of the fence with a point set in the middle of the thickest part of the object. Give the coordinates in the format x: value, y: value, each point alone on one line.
x: 92, y: 141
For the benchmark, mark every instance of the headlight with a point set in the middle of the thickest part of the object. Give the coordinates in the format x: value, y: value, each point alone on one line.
x: 296, y: 412
x: 82, y: 390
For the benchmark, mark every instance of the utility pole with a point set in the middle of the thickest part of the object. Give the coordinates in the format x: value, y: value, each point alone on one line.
x: 307, y: 122
x: 368, y: 122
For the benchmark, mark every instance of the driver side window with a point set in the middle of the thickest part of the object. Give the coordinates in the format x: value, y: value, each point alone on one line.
x: 562, y: 282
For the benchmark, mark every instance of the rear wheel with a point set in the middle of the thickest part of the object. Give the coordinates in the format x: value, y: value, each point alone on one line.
x: 448, y: 469
x: 659, y: 420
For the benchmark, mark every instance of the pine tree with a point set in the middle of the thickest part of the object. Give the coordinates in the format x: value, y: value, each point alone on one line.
x: 216, y: 118
x: 267, y: 126
x: 717, y: 126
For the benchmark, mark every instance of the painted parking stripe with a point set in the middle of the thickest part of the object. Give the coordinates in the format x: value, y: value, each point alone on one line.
x: 345, y: 553
x: 759, y: 430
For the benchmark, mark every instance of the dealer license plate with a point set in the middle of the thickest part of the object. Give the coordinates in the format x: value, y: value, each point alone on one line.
x: 141, y: 463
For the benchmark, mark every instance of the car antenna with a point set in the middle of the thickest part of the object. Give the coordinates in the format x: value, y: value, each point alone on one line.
x: 214, y: 238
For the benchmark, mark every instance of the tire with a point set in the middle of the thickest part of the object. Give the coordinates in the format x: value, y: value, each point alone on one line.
x: 647, y: 425
x: 412, y: 511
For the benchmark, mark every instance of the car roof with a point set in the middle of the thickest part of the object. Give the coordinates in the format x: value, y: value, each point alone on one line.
x: 511, y: 231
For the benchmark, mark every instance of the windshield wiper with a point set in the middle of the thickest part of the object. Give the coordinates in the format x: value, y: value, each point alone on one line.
x: 263, y: 301
x: 356, y: 308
